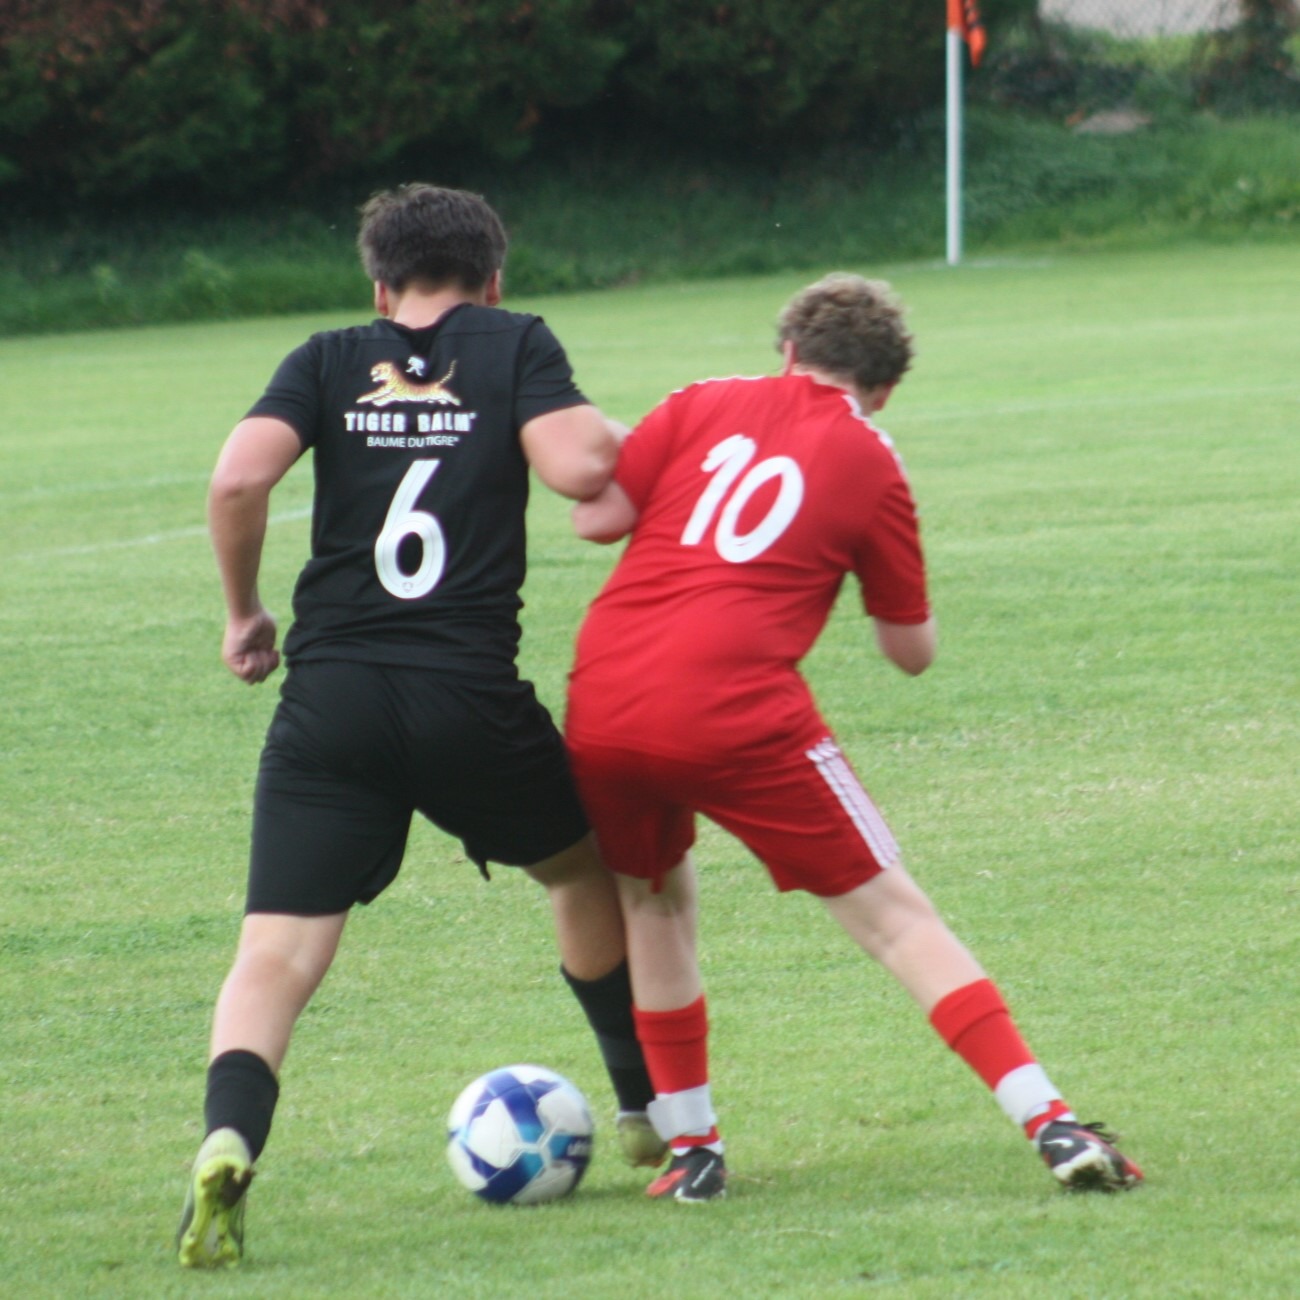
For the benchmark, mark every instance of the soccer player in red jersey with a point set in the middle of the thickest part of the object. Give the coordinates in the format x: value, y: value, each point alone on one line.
x: 747, y: 502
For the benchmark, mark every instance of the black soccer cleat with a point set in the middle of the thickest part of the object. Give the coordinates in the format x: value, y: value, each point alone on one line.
x: 1083, y: 1158
x: 697, y: 1175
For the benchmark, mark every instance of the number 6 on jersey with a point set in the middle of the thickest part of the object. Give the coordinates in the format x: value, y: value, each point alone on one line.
x: 403, y: 521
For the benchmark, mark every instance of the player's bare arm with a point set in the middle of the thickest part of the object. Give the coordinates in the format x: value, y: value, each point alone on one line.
x: 910, y: 646
x: 607, y: 517
x: 573, y: 451
x: 256, y: 456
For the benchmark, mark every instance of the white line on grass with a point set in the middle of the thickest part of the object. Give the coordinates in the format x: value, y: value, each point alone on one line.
x: 80, y: 487
x: 151, y: 539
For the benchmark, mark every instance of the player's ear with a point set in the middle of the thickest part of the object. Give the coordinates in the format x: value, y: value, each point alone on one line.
x: 492, y: 291
x: 789, y: 357
x: 381, y: 298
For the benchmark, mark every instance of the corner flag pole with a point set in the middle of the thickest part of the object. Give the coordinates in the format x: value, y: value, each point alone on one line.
x: 953, y: 118
x: 964, y: 27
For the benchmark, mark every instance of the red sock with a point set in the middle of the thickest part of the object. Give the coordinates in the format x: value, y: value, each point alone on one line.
x: 676, y: 1047
x: 975, y: 1023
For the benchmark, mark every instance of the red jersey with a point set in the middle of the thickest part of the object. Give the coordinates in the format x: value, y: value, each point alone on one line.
x: 755, y: 498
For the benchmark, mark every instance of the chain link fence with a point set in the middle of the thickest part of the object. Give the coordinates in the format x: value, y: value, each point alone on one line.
x: 1129, y: 60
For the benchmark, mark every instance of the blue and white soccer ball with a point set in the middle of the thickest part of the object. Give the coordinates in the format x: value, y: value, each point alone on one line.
x: 520, y: 1135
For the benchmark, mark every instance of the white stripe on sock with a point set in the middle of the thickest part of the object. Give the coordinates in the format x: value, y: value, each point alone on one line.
x: 676, y: 1113
x: 1024, y: 1092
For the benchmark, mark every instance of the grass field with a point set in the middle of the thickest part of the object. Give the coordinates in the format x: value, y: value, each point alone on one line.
x: 1096, y: 782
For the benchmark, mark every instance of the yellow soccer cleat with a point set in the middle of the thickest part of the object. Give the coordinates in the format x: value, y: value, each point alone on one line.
x: 211, y: 1234
x: 641, y: 1146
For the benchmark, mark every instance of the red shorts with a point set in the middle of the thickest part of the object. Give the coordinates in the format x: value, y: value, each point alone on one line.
x: 802, y: 813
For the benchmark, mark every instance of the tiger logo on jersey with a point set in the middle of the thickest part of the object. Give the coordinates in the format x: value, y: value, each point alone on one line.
x: 396, y: 387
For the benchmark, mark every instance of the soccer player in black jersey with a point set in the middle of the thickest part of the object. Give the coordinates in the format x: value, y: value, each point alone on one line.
x: 402, y: 692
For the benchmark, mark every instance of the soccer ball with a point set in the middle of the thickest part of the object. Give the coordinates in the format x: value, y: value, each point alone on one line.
x: 520, y: 1135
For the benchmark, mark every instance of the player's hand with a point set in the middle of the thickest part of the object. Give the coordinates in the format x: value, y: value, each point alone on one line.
x: 248, y: 648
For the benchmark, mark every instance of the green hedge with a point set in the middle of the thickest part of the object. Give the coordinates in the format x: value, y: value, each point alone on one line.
x: 106, y: 98
x: 1030, y: 184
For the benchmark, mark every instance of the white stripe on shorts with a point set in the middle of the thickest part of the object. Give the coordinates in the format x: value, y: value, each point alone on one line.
x: 855, y: 801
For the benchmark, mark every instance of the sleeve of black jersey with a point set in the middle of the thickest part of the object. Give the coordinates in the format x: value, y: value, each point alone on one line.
x: 544, y: 379
x: 294, y: 393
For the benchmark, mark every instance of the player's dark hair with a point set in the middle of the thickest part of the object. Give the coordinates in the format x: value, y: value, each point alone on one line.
x: 431, y: 236
x: 850, y: 328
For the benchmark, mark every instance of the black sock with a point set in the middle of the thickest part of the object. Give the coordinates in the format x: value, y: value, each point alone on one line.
x: 242, y: 1092
x: 607, y: 1003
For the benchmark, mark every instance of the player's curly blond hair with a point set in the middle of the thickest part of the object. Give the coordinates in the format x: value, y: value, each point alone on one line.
x: 850, y: 328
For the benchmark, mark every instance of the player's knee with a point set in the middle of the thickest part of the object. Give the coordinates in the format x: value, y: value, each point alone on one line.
x: 288, y: 949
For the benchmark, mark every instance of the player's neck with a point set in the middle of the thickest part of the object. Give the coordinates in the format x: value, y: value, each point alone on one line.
x: 869, y: 399
x: 416, y: 310
x: 821, y: 376
x: 418, y: 306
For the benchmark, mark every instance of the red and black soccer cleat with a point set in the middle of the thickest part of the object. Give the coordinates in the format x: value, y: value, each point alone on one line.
x: 1083, y: 1158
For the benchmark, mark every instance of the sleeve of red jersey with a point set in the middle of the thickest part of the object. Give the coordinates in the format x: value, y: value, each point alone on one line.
x: 645, y: 452
x: 890, y: 564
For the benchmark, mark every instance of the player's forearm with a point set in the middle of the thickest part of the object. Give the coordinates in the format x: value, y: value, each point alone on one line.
x: 584, y: 470
x: 909, y: 646
x: 237, y: 524
x: 587, y: 478
x: 255, y: 457
x: 607, y: 517
x: 592, y: 466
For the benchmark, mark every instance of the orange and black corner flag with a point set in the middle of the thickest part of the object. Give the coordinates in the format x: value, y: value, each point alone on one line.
x: 964, y: 17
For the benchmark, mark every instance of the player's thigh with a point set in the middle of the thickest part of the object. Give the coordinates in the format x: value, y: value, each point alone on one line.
x: 493, y: 771
x: 329, y: 826
x: 639, y: 808
x: 805, y: 814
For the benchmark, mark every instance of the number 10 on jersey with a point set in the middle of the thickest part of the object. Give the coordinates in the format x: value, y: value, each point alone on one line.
x: 727, y: 461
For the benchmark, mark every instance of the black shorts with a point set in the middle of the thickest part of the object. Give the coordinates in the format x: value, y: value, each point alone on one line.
x: 355, y: 749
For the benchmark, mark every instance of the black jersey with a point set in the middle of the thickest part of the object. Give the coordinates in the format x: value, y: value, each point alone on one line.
x: 418, y: 542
